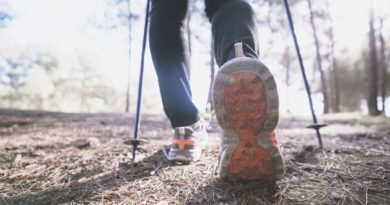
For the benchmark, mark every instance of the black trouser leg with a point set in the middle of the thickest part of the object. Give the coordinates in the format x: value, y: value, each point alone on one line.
x: 232, y: 21
x: 170, y: 58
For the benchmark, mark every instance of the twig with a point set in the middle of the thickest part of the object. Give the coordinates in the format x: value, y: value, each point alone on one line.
x: 327, y: 167
x: 353, y: 196
x: 156, y: 169
x: 165, y: 153
x: 380, y: 195
x: 366, y: 195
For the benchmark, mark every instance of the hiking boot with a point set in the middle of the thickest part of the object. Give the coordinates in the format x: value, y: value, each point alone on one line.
x: 246, y: 103
x: 188, y: 143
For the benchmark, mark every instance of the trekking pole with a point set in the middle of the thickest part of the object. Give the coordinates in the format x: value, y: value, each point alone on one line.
x: 317, y: 126
x: 135, y: 141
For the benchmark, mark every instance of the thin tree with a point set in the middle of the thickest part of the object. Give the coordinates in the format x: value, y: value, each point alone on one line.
x: 335, y: 94
x: 319, y: 59
x: 286, y: 62
x: 372, y: 101
x: 129, y: 21
x: 209, y: 105
x: 383, y: 65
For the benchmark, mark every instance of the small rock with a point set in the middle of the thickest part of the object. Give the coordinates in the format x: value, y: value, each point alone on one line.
x: 309, y: 148
x: 94, y: 142
x: 219, y: 196
x: 335, y: 195
x: 88, y: 156
x: 380, y: 169
x: 16, y: 158
x: 82, y: 145
x: 162, y: 203
x: 38, y: 153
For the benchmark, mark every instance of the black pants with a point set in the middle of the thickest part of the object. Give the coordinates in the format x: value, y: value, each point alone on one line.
x: 232, y: 21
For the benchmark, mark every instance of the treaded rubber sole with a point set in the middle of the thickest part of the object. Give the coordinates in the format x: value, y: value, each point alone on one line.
x: 183, y: 156
x: 247, y: 107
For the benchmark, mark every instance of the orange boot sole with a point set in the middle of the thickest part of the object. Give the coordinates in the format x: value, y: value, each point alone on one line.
x: 246, y: 103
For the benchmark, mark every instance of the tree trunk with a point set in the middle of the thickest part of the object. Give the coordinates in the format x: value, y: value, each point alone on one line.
x: 319, y: 60
x: 129, y: 56
x: 286, y: 62
x: 288, y: 68
x: 383, y: 65
x: 373, y: 69
x: 336, y: 86
x: 335, y: 95
x: 209, y: 105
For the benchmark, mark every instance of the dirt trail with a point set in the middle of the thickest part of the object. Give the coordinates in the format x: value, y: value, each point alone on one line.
x: 61, y: 158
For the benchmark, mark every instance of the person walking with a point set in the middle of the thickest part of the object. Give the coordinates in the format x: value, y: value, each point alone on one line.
x: 244, y: 92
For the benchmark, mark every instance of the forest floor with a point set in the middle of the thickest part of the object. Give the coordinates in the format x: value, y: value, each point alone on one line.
x: 64, y: 158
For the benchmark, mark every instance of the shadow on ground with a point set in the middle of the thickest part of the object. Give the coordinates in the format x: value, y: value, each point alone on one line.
x: 58, y: 158
x: 78, y: 192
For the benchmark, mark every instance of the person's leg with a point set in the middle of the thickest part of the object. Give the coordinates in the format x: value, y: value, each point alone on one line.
x: 245, y: 97
x: 170, y: 58
x: 232, y: 21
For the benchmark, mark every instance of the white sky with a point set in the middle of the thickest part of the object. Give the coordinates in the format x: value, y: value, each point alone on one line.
x: 61, y: 26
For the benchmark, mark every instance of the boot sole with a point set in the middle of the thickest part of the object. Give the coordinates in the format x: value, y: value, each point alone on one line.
x: 246, y: 103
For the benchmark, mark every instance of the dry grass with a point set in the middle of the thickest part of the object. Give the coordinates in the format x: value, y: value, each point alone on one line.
x: 57, y: 158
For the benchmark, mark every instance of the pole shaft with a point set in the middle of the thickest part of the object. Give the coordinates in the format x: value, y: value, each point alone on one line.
x: 319, y: 137
x: 141, y: 74
x: 307, y: 86
x: 302, y: 67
